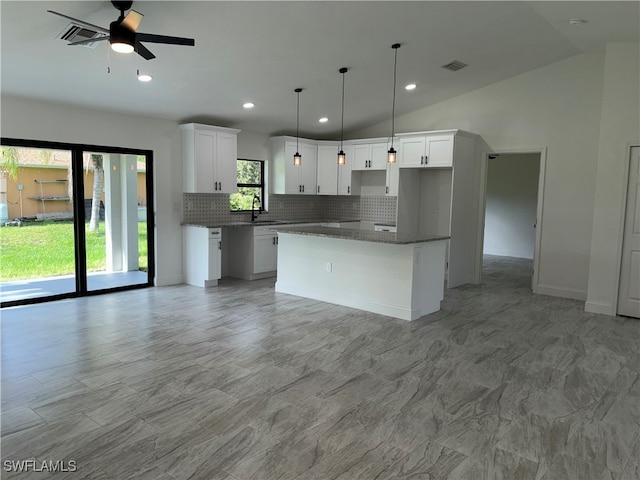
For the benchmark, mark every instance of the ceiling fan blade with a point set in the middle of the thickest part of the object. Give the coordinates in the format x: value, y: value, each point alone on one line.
x: 152, y: 38
x: 90, y: 40
x: 80, y: 22
x: 132, y: 20
x: 144, y: 51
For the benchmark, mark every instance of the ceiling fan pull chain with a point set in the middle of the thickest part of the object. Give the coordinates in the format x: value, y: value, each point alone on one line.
x: 108, y: 60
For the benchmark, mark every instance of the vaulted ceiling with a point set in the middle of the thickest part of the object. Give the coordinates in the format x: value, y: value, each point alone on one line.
x: 261, y: 51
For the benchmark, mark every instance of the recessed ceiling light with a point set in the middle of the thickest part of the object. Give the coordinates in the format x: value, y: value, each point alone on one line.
x: 145, y: 78
x: 576, y: 21
x: 411, y: 86
x: 323, y: 120
x: 248, y: 105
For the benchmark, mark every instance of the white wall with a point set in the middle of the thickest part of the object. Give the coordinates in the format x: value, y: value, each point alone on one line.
x: 512, y: 193
x: 254, y: 146
x: 38, y: 120
x: 558, y: 107
x: 619, y: 128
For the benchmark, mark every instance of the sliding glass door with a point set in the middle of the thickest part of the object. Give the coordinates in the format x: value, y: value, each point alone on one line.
x: 116, y: 220
x: 37, y: 238
x: 73, y: 221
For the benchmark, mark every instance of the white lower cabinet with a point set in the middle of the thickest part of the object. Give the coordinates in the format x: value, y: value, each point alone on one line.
x: 202, y: 256
x: 265, y: 250
x: 253, y: 252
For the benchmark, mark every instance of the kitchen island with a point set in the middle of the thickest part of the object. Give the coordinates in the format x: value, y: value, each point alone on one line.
x: 393, y: 274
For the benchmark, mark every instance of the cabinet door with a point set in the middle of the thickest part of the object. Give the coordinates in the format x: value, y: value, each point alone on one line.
x: 439, y: 151
x: 327, y: 170
x: 379, y: 156
x: 227, y: 163
x: 392, y: 180
x: 264, y: 253
x: 308, y: 178
x: 204, y: 158
x: 215, y: 259
x: 344, y: 171
x: 361, y: 157
x: 292, y: 184
x: 412, y: 151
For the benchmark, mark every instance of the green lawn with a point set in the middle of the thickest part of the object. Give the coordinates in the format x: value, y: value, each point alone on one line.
x: 46, y: 249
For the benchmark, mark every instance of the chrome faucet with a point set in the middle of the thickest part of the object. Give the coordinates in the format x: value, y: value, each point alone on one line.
x: 254, y: 212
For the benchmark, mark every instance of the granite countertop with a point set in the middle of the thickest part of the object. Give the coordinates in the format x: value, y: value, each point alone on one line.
x: 362, y: 235
x: 261, y: 223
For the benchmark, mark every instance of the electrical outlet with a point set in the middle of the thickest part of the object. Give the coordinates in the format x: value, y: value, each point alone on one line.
x: 329, y: 267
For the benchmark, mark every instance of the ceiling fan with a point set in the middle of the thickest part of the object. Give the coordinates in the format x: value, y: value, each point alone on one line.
x: 122, y: 34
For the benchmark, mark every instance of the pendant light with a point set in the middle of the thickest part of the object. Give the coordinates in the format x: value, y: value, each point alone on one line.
x: 342, y: 157
x: 297, y: 158
x: 392, y: 154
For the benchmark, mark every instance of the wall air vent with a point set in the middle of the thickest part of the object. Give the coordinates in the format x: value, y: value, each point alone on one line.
x: 455, y: 66
x: 75, y: 33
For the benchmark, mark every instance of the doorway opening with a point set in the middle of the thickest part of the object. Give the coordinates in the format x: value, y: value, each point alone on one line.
x: 512, y: 209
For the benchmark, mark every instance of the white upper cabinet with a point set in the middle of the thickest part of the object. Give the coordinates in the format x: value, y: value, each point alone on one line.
x: 209, y: 156
x: 327, y: 169
x: 427, y: 150
x: 369, y: 156
x: 288, y: 178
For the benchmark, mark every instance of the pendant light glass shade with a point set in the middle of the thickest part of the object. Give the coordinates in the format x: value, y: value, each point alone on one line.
x: 392, y: 154
x: 342, y: 157
x: 297, y: 158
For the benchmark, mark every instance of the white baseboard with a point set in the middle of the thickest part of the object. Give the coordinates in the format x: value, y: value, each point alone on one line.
x: 601, y: 308
x: 560, y: 292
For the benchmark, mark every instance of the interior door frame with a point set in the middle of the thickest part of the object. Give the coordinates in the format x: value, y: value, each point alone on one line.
x: 76, y: 150
x: 482, y: 207
x: 623, y: 216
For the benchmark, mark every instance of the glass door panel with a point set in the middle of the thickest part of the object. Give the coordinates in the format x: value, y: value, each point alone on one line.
x: 37, y: 237
x: 115, y: 201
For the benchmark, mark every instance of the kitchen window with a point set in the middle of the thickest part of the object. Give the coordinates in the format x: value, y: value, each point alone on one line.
x: 250, y: 183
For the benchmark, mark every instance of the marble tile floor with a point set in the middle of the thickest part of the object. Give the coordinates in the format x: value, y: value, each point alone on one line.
x: 238, y: 382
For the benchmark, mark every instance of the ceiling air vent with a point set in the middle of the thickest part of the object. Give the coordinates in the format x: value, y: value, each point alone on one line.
x: 455, y: 66
x: 75, y: 33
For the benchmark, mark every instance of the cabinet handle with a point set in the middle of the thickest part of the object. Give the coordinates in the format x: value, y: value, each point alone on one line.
x: 302, y: 188
x: 220, y: 185
x: 348, y: 189
x: 276, y: 240
x: 299, y: 188
x: 219, y: 245
x: 273, y: 240
x: 421, y: 159
x: 426, y: 159
x: 318, y: 188
x: 387, y: 190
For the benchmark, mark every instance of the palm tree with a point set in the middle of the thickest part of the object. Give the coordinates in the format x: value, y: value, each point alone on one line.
x: 98, y: 171
x: 9, y: 162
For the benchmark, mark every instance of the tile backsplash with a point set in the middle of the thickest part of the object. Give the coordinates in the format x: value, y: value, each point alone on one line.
x: 213, y: 208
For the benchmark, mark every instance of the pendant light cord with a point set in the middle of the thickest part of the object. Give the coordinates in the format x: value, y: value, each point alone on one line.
x: 343, y: 71
x: 395, y: 46
x: 298, y: 120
